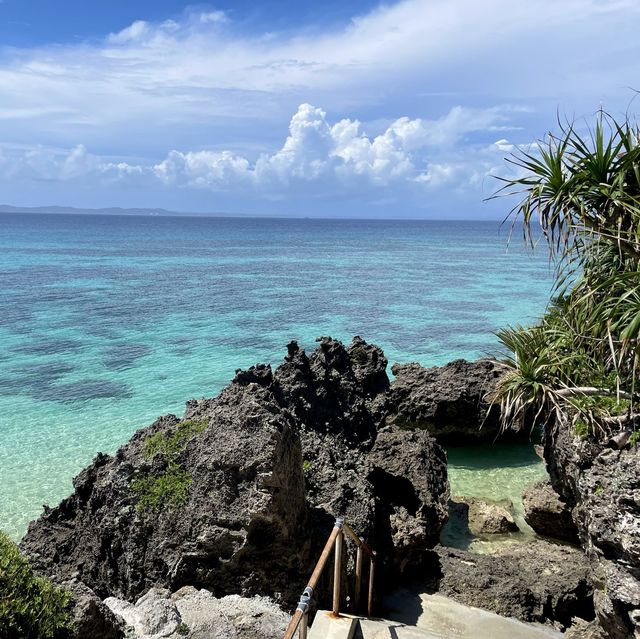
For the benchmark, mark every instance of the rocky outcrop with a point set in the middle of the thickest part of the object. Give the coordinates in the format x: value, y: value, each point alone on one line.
x: 582, y: 629
x: 448, y: 401
x: 90, y: 617
x: 602, y: 487
x: 407, y: 473
x: 536, y: 582
x: 547, y: 514
x: 239, y: 494
x: 190, y: 613
x: 482, y: 516
x: 225, y: 510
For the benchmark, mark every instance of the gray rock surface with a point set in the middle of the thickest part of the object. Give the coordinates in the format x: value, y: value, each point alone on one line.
x: 244, y: 508
x: 547, y: 514
x: 482, y: 516
x: 581, y: 629
x: 282, y: 452
x: 91, y: 618
x: 448, y: 401
x: 408, y: 472
x: 536, y: 582
x: 602, y: 486
x: 190, y: 613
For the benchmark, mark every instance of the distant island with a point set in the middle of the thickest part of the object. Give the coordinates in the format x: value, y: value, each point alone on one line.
x: 113, y: 210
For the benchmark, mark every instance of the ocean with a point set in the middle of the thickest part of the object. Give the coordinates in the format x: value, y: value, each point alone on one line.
x: 110, y: 321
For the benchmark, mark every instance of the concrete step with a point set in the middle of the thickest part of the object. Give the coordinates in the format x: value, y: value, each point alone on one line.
x: 326, y: 626
x: 443, y: 618
x: 429, y: 617
x: 384, y: 629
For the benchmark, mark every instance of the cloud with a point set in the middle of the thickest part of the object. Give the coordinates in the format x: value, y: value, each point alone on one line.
x: 134, y: 32
x: 200, y: 103
x: 203, y: 68
x: 317, y: 157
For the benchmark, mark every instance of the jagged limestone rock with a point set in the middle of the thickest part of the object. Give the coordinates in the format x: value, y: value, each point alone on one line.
x: 239, y: 495
x: 448, y: 401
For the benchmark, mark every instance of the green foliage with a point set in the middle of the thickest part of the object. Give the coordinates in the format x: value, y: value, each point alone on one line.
x: 172, y: 444
x: 169, y: 487
x: 635, y: 438
x: 182, y: 629
x: 580, y: 363
x: 166, y: 489
x: 581, y: 429
x: 30, y: 606
x: 306, y: 466
x: 574, y: 183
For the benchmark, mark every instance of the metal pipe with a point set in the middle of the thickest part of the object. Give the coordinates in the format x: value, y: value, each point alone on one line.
x: 359, y: 557
x: 302, y: 632
x: 372, y: 568
x: 337, y: 572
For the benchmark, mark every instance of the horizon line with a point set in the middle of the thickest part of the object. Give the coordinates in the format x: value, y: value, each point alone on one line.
x: 118, y: 211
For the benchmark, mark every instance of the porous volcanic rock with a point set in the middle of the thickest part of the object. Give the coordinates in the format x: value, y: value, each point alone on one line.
x: 407, y: 473
x: 248, y: 502
x: 582, y: 629
x: 536, y: 582
x: 244, y: 508
x: 448, y: 401
x: 547, y: 514
x: 602, y: 487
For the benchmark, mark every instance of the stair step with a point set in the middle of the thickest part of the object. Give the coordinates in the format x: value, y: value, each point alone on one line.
x: 326, y: 626
x: 442, y: 618
x: 383, y: 629
x: 427, y: 617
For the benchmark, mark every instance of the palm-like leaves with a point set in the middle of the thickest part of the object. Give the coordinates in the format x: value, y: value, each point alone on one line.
x: 572, y: 185
x: 585, y: 194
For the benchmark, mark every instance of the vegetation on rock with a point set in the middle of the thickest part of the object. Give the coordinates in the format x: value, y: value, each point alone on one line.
x: 30, y: 606
x: 579, y: 364
x: 168, y: 487
x: 172, y: 444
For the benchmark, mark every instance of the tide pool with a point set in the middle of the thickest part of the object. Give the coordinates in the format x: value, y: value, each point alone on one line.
x: 108, y: 322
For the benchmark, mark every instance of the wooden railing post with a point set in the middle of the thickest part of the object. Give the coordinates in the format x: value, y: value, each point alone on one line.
x: 302, y: 628
x: 300, y: 618
x: 337, y: 567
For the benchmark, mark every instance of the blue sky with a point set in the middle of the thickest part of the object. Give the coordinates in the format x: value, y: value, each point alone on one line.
x: 403, y: 109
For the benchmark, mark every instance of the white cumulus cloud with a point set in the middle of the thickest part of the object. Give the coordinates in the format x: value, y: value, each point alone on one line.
x: 317, y: 157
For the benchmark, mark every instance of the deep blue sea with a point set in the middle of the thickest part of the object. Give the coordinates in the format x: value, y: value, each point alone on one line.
x: 108, y: 322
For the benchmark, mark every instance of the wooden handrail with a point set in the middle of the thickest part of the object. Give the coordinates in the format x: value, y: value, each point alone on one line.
x: 358, y: 540
x: 299, y: 618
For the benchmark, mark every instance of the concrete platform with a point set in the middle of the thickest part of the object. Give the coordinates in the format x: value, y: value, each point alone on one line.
x: 427, y: 617
x: 442, y: 618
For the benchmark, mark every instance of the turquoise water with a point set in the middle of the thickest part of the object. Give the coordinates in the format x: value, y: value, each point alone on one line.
x: 494, y: 472
x: 108, y: 322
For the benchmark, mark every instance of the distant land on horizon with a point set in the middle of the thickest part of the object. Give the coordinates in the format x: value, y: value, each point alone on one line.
x: 112, y: 210
x: 159, y: 212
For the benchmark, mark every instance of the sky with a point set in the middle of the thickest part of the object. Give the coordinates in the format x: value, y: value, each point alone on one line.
x: 348, y: 109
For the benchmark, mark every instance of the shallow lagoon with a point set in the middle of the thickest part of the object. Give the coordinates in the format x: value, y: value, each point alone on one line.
x: 108, y: 322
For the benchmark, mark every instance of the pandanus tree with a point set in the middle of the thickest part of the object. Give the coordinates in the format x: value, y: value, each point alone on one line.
x: 579, y: 194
